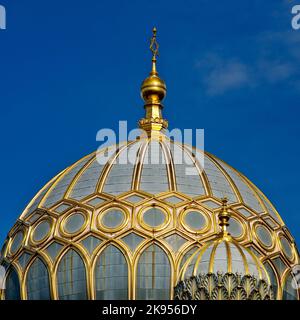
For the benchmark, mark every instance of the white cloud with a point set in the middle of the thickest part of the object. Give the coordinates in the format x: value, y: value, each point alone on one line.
x: 232, y: 75
x: 276, y: 59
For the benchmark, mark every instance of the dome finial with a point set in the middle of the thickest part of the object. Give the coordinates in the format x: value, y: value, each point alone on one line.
x: 224, y: 217
x: 154, y: 46
x: 153, y: 91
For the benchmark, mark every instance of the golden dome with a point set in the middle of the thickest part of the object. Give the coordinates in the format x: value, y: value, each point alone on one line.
x: 235, y: 272
x: 112, y: 220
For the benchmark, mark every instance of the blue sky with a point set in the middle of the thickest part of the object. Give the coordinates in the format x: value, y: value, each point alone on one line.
x: 70, y: 68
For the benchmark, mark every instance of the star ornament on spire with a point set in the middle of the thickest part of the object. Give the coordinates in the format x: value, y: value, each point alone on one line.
x: 154, y: 46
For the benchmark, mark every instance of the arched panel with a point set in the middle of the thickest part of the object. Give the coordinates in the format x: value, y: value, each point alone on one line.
x: 273, y: 278
x: 153, y: 275
x: 290, y: 291
x: 111, y: 275
x: 12, y: 286
x: 71, y: 277
x: 37, y: 282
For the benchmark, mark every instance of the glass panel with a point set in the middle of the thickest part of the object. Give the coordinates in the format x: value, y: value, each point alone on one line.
x: 57, y: 193
x: 220, y: 263
x: 219, y: 184
x: 90, y: 243
x: 195, y: 220
x: 271, y: 223
x: 34, y: 217
x: 38, y: 199
x: 87, y: 182
x: 254, y: 251
x: 269, y: 207
x: 153, y: 275
x: 12, y: 291
x: 187, y: 256
x: 134, y: 199
x: 248, y: 195
x: 94, y: 202
x: 71, y: 277
x: 154, y: 217
x: 53, y: 250
x: 187, y: 175
x: 120, y: 176
x: 175, y: 241
x: 113, y: 218
x: 287, y: 249
x: 154, y: 176
x: 38, y: 287
x: 244, y: 212
x: 289, y: 290
x: 173, y: 199
x: 211, y: 204
x: 24, y: 259
x: 279, y: 265
x: 132, y: 240
x: 17, y: 242
x: 264, y: 235
x: 41, y: 231
x: 273, y: 278
x: 235, y: 228
x: 62, y: 208
x: 74, y: 223
x: 111, y: 275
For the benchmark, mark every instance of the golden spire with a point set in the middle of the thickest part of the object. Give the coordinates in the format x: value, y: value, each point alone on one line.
x: 153, y: 91
x: 224, y: 217
x: 154, y: 46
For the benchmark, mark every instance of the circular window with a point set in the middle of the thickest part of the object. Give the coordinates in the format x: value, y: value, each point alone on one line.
x: 154, y: 218
x: 235, y: 228
x: 17, y: 242
x: 41, y: 231
x: 194, y: 220
x: 113, y: 219
x: 74, y: 223
x: 286, y: 248
x: 264, y: 236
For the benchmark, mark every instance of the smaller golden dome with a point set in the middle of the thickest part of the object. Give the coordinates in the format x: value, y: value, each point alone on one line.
x: 223, y: 270
x: 224, y: 255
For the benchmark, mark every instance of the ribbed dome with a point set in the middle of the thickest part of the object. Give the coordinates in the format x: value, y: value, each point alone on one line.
x: 121, y: 222
x: 105, y: 172
x: 102, y: 210
x: 223, y: 270
x: 224, y: 256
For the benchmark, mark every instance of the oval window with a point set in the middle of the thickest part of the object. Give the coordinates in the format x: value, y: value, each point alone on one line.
x: 74, y: 223
x: 154, y: 217
x: 113, y: 218
x: 264, y: 236
x: 41, y: 231
x: 17, y: 242
x: 194, y: 220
